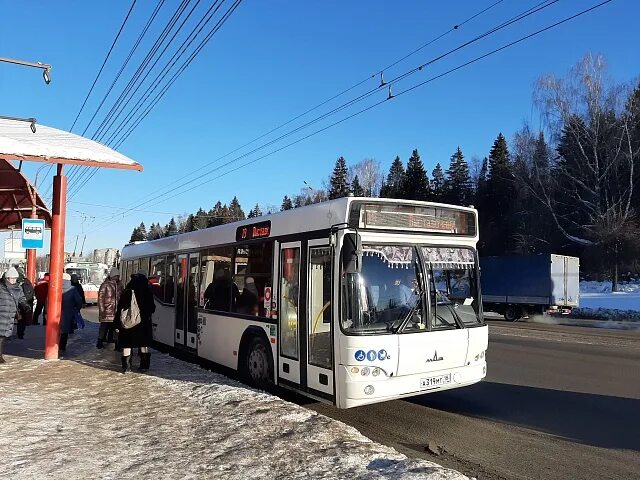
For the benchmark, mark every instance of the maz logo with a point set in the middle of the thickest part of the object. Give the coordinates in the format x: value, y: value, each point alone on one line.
x: 435, y: 358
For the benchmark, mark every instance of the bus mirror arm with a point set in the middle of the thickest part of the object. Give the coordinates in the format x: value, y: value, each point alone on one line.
x: 352, y: 253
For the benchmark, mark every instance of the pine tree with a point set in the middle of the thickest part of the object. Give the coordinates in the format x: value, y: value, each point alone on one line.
x: 287, y: 204
x: 155, y: 231
x: 200, y: 220
x: 135, y: 235
x: 438, y: 184
x: 356, y: 188
x: 499, y: 223
x: 338, y: 184
x: 215, y: 215
x: 416, y: 185
x: 235, y: 210
x: 171, y: 228
x: 393, y: 185
x: 255, y: 212
x: 142, y: 230
x: 188, y: 225
x: 459, y: 186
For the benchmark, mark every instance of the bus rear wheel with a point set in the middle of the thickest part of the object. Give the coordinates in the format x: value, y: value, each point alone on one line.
x: 258, y: 366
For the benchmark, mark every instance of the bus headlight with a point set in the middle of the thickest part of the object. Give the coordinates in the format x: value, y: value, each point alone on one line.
x: 368, y: 390
x: 376, y: 372
x: 365, y: 371
x: 355, y: 369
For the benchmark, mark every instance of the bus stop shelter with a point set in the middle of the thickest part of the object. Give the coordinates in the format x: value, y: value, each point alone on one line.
x: 19, y: 199
x: 19, y: 143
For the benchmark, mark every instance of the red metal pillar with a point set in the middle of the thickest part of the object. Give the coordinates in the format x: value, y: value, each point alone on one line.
x: 56, y: 266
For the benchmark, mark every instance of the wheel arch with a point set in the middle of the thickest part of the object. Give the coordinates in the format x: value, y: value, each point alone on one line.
x: 248, y: 335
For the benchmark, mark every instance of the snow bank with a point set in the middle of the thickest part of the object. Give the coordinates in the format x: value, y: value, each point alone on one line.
x: 598, y: 302
x: 82, y: 418
x: 605, y: 287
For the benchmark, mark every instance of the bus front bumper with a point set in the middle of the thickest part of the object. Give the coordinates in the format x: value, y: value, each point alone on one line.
x: 359, y: 390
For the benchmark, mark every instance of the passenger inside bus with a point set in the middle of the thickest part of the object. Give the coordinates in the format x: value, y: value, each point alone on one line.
x: 248, y: 301
x: 221, y: 294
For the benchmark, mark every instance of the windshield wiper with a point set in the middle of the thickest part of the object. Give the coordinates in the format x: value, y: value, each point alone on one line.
x: 408, y: 316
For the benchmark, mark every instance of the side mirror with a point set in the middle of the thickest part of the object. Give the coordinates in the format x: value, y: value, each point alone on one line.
x: 352, y: 253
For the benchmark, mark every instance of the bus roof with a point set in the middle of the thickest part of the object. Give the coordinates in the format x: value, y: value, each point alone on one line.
x: 315, y: 217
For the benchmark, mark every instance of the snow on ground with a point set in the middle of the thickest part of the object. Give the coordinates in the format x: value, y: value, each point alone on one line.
x: 597, y: 301
x: 81, y: 418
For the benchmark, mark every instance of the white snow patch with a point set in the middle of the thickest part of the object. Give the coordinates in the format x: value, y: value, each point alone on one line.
x: 82, y: 418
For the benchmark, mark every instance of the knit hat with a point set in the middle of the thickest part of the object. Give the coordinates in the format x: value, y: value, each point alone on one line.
x: 12, y: 273
x: 114, y: 272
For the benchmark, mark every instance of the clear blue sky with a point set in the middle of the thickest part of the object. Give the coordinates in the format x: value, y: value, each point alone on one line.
x: 274, y: 59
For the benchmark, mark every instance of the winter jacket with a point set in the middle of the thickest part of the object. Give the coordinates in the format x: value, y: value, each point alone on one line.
x: 41, y: 292
x: 27, y: 288
x: 108, y: 296
x: 142, y: 334
x: 11, y: 299
x: 71, y: 304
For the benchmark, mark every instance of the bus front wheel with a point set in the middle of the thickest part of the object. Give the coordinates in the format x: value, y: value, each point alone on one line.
x: 258, y: 366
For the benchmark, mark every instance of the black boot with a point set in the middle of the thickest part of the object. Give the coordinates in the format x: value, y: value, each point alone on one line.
x: 2, y: 360
x: 126, y: 363
x: 145, y: 361
x: 99, y: 344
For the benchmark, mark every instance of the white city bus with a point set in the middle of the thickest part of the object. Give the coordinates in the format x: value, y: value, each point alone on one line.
x: 91, y: 275
x: 350, y: 301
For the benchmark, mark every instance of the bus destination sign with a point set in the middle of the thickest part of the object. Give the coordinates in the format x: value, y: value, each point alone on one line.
x: 251, y: 232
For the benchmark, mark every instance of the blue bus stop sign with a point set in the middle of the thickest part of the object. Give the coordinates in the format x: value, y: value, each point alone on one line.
x: 32, y: 233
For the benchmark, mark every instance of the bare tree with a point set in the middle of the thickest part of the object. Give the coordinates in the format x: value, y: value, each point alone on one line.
x: 369, y: 175
x: 589, y: 194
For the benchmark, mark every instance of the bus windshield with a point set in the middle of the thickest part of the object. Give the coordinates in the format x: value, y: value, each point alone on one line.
x: 453, y: 286
x: 386, y: 293
x: 386, y: 297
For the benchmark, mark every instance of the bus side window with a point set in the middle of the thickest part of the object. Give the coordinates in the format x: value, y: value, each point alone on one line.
x: 220, y: 293
x: 170, y: 275
x: 252, y: 273
x: 157, y: 277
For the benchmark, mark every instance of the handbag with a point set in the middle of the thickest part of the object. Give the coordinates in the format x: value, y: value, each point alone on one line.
x: 130, y: 317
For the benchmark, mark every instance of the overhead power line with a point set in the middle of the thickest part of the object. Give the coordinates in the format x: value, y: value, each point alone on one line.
x: 410, y: 89
x: 452, y: 29
x: 188, y: 61
x: 369, y: 93
x: 115, y: 40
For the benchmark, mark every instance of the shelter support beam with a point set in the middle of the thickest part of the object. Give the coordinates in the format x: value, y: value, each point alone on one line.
x: 54, y: 302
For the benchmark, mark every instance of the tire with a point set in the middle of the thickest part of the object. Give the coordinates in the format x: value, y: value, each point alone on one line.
x: 512, y: 313
x: 257, y: 364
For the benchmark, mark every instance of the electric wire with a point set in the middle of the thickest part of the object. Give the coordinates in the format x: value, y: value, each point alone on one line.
x: 371, y: 92
x: 203, y: 43
x: 165, y: 71
x: 143, y: 65
x: 102, y: 131
x: 492, y: 52
x: 328, y: 100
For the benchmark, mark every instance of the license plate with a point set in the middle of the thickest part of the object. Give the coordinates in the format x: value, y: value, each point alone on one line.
x: 438, y: 381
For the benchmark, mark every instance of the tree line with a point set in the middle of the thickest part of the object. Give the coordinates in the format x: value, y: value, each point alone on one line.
x: 571, y: 187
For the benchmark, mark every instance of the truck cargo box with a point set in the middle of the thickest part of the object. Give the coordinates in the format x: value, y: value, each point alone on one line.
x: 546, y: 280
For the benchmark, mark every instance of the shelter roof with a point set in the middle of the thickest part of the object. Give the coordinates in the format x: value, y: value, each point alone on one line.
x: 51, y: 145
x: 16, y: 198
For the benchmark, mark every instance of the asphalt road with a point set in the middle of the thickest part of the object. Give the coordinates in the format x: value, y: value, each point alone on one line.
x: 559, y: 402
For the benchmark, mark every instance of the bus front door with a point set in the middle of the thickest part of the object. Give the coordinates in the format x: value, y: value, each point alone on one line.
x: 289, y: 355
x: 187, y: 301
x: 319, y: 313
